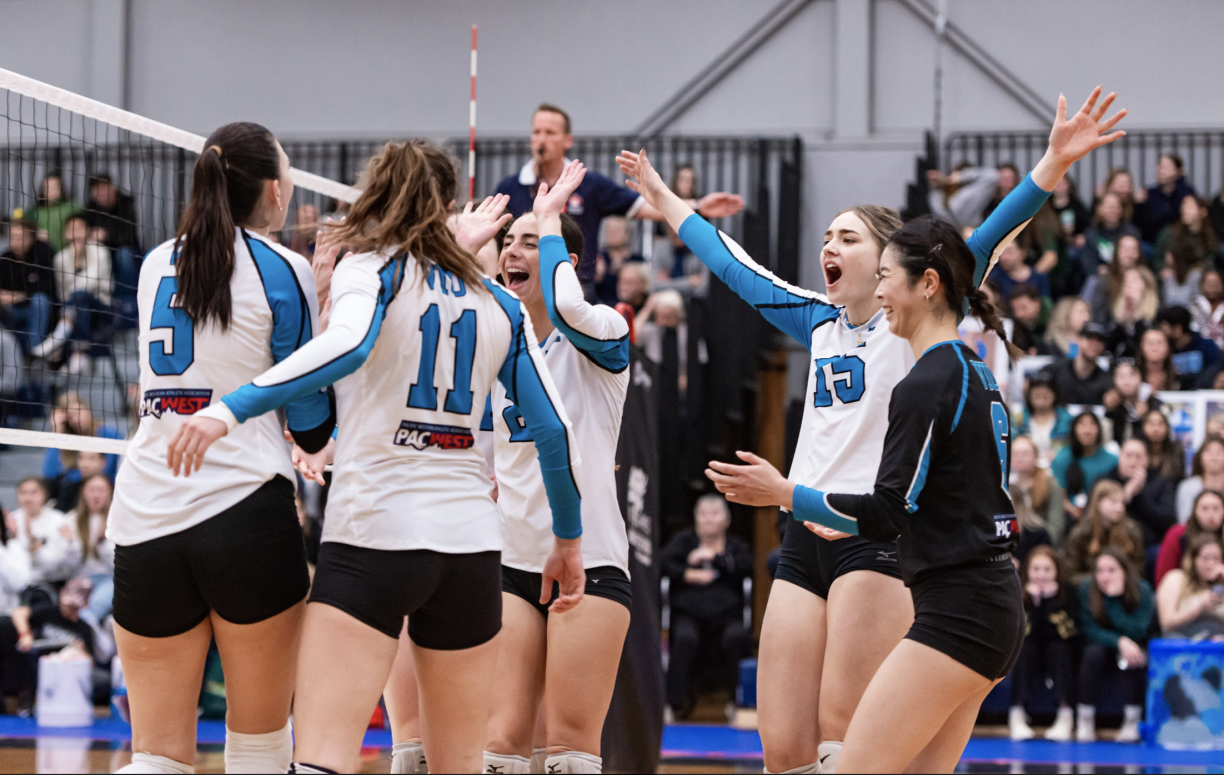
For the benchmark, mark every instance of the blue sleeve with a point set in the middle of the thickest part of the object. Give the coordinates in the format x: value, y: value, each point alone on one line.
x: 525, y: 387
x: 610, y: 198
x: 291, y: 328
x: 1007, y: 220
x: 52, y: 467
x: 340, y: 351
x: 793, y: 310
x: 599, y: 331
x: 486, y: 419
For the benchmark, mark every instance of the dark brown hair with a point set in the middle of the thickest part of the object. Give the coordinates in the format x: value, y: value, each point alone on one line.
x: 548, y: 107
x: 1130, y: 592
x: 1102, y: 536
x: 1193, y: 527
x: 932, y: 243
x: 89, y: 547
x: 1194, y: 547
x: 225, y: 189
x: 407, y: 197
x: 1060, y: 599
x: 1196, y: 462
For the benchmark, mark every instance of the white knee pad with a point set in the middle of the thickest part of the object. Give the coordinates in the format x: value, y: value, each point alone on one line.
x: 267, y: 753
x: 408, y: 759
x: 148, y: 764
x: 505, y: 764
x: 538, y: 758
x: 829, y: 753
x: 574, y: 763
x: 806, y: 769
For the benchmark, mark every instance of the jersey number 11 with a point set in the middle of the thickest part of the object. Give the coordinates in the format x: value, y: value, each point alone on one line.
x: 424, y: 394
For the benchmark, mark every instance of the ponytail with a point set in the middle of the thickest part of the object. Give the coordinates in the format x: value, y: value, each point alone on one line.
x: 227, y: 183
x: 982, y: 308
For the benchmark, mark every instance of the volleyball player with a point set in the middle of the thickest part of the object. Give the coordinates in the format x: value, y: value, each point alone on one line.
x: 416, y: 338
x: 942, y: 489
x: 218, y: 555
x: 837, y: 609
x: 565, y: 662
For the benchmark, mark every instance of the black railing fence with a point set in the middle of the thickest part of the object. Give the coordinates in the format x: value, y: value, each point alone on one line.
x: 1201, y: 149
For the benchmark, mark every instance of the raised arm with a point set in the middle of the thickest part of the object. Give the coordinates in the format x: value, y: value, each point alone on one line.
x: 793, y: 310
x: 596, y: 329
x: 1070, y: 140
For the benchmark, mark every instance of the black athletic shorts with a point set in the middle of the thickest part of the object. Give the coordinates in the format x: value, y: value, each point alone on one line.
x: 607, y: 581
x: 974, y: 614
x: 814, y: 563
x: 247, y: 563
x: 452, y: 601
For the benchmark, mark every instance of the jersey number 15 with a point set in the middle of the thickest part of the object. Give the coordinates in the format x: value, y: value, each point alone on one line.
x: 424, y: 394
x: 846, y: 376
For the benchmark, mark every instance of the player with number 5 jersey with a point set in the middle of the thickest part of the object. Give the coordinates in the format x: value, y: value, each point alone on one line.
x: 416, y: 339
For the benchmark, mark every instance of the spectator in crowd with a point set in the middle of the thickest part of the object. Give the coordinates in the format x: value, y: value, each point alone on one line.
x: 1071, y: 212
x: 1105, y: 523
x: 633, y: 285
x: 664, y: 312
x: 707, y: 567
x: 1048, y: 651
x: 12, y: 371
x: 1215, y: 213
x: 1182, y: 275
x: 962, y: 198
x: 672, y: 259
x: 52, y: 212
x: 1084, y: 461
x: 1128, y: 401
x: 1046, y: 246
x: 83, y: 273
x: 59, y: 624
x: 1150, y: 497
x: 1069, y: 317
x: 1116, y: 612
x: 97, y: 554
x: 76, y: 467
x: 1028, y: 325
x: 617, y: 252
x: 1215, y: 425
x: 596, y: 197
x: 1109, y: 225
x: 1133, y: 312
x: 73, y: 415
x: 1192, y: 354
x: 1078, y: 379
x: 1206, y: 518
x: 15, y: 572
x: 1160, y: 205
x: 1206, y: 473
x: 27, y: 285
x: 1167, y: 454
x: 1013, y: 271
x: 1155, y: 359
x: 1037, y: 497
x: 111, y: 214
x: 1190, y: 599
x: 1103, y: 288
x: 1045, y: 421
x: 1207, y: 309
x: 48, y: 535
x: 1119, y: 181
x: 1009, y: 178
x: 304, y: 230
x: 1192, y: 229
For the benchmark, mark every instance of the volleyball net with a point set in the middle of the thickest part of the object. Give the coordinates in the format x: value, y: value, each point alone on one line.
x: 86, y: 190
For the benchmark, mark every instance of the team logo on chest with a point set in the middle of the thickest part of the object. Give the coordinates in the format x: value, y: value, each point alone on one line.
x: 419, y: 435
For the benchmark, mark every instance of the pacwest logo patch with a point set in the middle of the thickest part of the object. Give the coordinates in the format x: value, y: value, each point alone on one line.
x: 1006, y: 525
x: 420, y: 435
x: 184, y: 401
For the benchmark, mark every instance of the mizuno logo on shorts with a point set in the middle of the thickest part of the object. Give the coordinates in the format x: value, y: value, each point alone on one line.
x: 422, y: 435
x: 887, y: 556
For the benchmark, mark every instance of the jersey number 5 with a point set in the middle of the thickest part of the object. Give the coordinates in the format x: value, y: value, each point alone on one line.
x: 1002, y: 434
x: 182, y: 339
x: 847, y: 378
x: 423, y: 394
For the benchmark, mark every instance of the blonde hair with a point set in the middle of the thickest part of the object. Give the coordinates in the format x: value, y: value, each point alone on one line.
x: 1111, y: 535
x: 881, y: 222
x: 1151, y: 297
x: 1059, y: 331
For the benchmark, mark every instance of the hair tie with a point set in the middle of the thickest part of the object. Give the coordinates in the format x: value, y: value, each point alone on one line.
x: 216, y: 148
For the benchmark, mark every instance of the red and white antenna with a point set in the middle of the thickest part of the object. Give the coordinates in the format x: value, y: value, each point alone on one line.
x: 472, y: 126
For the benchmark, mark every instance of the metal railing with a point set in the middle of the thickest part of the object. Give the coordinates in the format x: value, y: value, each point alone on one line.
x: 1201, y: 149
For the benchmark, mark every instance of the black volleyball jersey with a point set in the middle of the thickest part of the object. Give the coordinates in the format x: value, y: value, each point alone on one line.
x: 941, y: 489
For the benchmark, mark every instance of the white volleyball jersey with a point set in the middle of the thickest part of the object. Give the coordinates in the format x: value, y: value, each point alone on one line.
x: 588, y: 356
x: 854, y: 368
x: 185, y: 368
x: 413, y: 354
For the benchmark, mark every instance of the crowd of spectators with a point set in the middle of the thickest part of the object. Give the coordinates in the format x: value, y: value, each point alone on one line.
x: 1120, y: 524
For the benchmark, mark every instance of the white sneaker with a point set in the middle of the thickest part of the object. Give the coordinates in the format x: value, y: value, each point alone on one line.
x: 1017, y: 724
x: 80, y: 364
x: 669, y: 715
x: 730, y: 710
x: 1064, y: 726
x: 1129, y: 732
x: 1085, y: 726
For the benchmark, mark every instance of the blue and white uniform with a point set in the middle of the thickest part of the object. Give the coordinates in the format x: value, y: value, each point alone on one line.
x: 854, y: 368
x: 588, y: 356
x: 185, y: 368
x: 412, y: 353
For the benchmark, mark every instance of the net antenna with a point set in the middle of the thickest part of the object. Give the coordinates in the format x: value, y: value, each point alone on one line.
x: 472, y: 126
x: 46, y: 132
